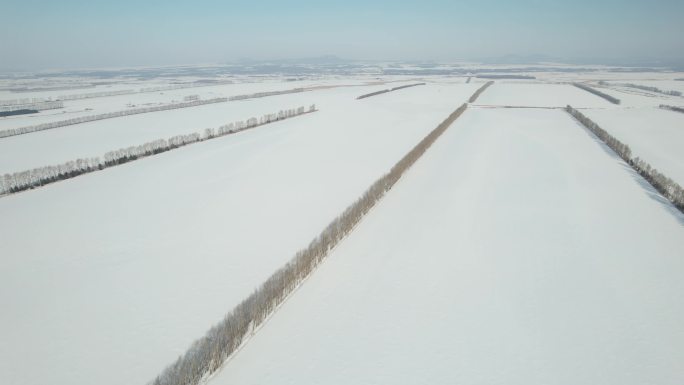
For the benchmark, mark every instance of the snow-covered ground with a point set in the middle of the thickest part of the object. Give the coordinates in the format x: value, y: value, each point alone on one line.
x: 94, y: 106
x: 62, y: 144
x: 662, y: 84
x: 518, y: 250
x: 539, y: 95
x: 108, y: 277
x: 59, y: 145
x: 635, y: 98
x: 655, y: 135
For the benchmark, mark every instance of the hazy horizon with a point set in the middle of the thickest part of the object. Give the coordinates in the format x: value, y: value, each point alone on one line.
x: 75, y: 34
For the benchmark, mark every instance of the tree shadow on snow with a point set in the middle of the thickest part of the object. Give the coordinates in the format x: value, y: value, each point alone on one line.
x: 648, y: 189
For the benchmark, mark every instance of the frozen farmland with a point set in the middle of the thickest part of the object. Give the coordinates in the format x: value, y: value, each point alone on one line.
x: 501, y: 240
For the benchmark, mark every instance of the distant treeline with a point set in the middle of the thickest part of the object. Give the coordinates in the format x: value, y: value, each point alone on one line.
x: 477, y: 93
x: 597, y: 93
x: 56, y: 88
x: 12, y: 102
x: 100, y: 94
x: 17, y: 112
x: 108, y: 115
x: 666, y: 186
x: 25, y: 180
x: 38, y: 106
x: 388, y: 90
x: 672, y: 108
x: 207, y: 354
x: 15, y: 102
x: 644, y: 88
x: 264, y: 94
x: 185, y: 85
x: 505, y: 77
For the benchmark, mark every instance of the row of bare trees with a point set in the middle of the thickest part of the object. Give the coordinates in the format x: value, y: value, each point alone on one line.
x: 388, y: 90
x: 644, y: 88
x: 264, y: 94
x: 108, y: 115
x: 672, y: 108
x: 207, y: 354
x: 666, y: 186
x: 620, y: 148
x: 479, y: 91
x: 25, y: 180
x: 597, y: 93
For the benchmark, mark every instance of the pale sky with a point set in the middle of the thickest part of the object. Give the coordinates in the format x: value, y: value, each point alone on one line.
x: 42, y: 34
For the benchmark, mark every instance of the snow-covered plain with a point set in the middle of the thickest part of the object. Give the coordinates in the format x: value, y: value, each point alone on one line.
x: 637, y: 98
x: 518, y: 250
x: 654, y: 135
x: 539, y: 95
x: 100, y: 105
x: 62, y: 144
x: 108, y: 277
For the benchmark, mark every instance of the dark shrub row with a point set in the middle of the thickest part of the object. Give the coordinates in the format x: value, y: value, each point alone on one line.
x: 38, y: 106
x: 108, y: 115
x: 672, y: 108
x: 597, y: 93
x: 25, y: 180
x: 666, y: 186
x: 207, y: 354
x: 17, y: 112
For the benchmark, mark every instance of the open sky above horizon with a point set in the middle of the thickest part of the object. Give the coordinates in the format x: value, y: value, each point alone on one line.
x: 42, y: 34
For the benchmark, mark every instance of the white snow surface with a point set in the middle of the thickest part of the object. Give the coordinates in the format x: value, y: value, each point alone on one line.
x: 654, y: 135
x: 91, y: 139
x: 108, y: 277
x: 538, y: 95
x: 518, y: 250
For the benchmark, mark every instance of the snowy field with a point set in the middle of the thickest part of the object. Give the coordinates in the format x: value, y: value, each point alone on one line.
x: 655, y: 135
x: 637, y: 98
x: 518, y: 250
x: 539, y: 95
x: 94, y: 106
x: 112, y: 275
x: 90, y: 139
x: 508, y: 254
